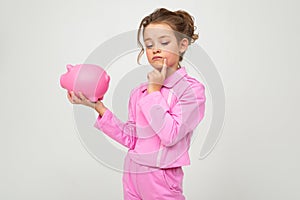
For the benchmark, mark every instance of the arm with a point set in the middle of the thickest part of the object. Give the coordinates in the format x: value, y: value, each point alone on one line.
x: 172, y: 126
x: 123, y: 133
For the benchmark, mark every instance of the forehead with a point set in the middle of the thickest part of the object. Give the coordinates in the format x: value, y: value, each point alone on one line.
x: 154, y: 31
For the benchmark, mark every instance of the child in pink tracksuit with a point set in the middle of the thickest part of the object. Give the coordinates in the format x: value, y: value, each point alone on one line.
x: 163, y: 112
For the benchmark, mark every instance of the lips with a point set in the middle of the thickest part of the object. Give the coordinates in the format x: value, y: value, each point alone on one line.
x: 156, y: 57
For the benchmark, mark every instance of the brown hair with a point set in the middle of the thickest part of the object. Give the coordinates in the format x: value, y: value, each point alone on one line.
x: 180, y: 21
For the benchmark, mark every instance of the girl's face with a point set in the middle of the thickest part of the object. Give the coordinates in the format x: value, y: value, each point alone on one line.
x: 160, y: 43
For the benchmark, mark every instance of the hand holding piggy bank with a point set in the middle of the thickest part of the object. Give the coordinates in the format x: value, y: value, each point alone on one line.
x: 90, y: 79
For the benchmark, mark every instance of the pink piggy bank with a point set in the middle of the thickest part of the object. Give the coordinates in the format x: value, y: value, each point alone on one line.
x: 91, y: 80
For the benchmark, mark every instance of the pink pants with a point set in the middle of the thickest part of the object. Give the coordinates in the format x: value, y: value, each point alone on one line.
x: 145, y: 183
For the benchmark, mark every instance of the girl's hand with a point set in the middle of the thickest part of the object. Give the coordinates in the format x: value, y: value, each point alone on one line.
x: 156, y: 78
x: 80, y: 100
x: 98, y: 106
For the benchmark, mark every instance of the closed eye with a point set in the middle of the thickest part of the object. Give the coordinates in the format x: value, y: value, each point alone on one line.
x: 148, y: 46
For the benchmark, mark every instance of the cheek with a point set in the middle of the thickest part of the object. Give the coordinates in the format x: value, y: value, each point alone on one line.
x: 148, y: 53
x: 171, y: 56
x: 171, y: 63
x: 172, y: 59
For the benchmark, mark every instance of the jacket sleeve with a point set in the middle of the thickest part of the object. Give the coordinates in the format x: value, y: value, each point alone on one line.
x: 171, y: 125
x: 123, y: 133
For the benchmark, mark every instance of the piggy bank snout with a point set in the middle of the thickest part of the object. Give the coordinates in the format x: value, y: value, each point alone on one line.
x: 63, y: 80
x: 66, y: 81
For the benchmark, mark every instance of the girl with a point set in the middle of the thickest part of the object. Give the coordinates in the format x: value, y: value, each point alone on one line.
x: 163, y: 112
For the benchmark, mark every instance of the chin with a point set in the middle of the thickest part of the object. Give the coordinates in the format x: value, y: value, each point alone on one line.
x: 156, y: 66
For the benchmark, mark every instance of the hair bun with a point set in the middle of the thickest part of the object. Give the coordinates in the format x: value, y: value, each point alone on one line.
x: 189, y: 25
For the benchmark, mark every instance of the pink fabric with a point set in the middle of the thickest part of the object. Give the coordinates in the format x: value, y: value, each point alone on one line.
x: 141, y: 182
x: 160, y: 124
x: 157, y: 133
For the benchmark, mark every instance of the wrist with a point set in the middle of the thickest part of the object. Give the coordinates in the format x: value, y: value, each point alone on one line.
x: 100, y: 110
x: 153, y: 88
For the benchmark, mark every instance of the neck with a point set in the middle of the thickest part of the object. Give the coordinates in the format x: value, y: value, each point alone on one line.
x: 171, y: 70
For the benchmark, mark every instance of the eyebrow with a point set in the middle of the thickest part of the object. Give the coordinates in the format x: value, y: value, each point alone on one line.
x: 163, y: 36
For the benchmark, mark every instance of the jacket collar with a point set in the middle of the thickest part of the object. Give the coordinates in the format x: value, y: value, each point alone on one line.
x: 171, y: 80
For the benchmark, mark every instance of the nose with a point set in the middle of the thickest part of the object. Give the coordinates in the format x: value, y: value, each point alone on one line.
x: 156, y: 50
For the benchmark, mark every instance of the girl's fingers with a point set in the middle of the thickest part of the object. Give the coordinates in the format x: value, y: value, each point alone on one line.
x: 85, y: 101
x: 164, y: 68
x: 82, y: 97
x: 79, y: 100
x: 75, y: 99
x: 70, y: 97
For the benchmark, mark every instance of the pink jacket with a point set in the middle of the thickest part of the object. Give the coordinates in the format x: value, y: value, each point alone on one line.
x: 160, y: 124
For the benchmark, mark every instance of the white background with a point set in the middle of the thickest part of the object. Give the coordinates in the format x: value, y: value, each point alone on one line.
x: 254, y: 45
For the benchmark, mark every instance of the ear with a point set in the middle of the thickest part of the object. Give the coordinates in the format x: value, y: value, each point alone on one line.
x: 183, y: 45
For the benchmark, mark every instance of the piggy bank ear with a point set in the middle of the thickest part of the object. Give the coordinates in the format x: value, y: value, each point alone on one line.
x: 69, y: 67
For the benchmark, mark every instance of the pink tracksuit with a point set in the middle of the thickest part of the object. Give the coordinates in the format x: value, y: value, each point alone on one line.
x: 157, y: 133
